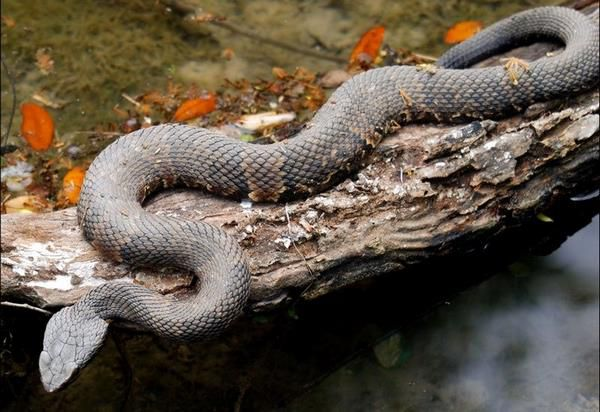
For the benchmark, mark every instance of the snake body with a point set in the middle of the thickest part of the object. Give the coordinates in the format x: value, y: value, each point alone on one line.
x: 328, y: 148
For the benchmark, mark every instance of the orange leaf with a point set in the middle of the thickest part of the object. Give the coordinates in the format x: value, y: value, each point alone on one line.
x: 368, y: 45
x: 72, y: 184
x: 461, y: 31
x: 193, y: 108
x: 37, y: 126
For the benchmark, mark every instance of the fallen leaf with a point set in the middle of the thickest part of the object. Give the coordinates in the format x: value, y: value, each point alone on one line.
x: 37, y: 126
x: 193, y: 108
x: 302, y: 74
x: 25, y: 204
x: 461, y: 31
x: 72, y: 184
x: 263, y: 120
x: 368, y: 46
x: 8, y: 21
x: 155, y: 97
x: 279, y: 72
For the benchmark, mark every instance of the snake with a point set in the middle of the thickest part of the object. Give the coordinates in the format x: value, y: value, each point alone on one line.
x: 326, y: 150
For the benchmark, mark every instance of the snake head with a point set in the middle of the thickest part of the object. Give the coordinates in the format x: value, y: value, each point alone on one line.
x: 71, y: 340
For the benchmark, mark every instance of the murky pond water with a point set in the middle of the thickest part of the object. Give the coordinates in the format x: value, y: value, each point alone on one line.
x: 526, y: 339
x: 101, y: 50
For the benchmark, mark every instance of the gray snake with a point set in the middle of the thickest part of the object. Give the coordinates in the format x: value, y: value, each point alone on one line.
x: 329, y: 147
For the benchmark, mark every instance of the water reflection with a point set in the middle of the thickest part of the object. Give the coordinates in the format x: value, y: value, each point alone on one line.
x: 524, y: 340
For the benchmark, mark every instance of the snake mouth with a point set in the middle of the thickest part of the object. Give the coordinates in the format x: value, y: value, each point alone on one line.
x: 56, y: 377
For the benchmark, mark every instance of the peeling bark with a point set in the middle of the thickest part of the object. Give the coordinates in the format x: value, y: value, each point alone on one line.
x: 429, y: 192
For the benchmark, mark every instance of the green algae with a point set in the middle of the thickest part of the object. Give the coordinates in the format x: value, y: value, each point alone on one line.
x: 99, y: 49
x: 103, y: 49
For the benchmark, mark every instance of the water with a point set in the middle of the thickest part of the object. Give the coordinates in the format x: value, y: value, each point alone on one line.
x: 101, y: 50
x: 525, y: 339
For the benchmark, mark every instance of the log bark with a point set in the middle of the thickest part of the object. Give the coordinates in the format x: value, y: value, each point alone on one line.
x: 428, y: 193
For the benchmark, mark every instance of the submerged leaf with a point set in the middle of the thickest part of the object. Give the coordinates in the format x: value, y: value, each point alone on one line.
x: 44, y: 61
x: 544, y: 218
x: 37, y: 126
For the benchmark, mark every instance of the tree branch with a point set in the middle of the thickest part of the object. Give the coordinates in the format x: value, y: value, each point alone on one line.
x: 429, y: 193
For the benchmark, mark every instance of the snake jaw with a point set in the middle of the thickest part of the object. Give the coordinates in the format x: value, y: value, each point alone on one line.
x: 71, y: 340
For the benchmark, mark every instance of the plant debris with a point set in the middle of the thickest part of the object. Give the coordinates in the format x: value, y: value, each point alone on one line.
x: 262, y: 111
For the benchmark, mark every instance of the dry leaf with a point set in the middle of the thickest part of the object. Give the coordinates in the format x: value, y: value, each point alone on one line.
x: 72, y: 184
x: 44, y: 61
x: 193, y: 108
x: 368, y: 46
x: 461, y: 31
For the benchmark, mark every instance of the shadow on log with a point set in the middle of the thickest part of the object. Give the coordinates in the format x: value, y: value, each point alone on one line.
x: 429, y: 193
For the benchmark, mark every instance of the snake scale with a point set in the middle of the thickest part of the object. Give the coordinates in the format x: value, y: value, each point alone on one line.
x: 329, y: 147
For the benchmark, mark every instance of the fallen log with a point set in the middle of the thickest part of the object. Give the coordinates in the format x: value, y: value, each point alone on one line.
x: 429, y: 192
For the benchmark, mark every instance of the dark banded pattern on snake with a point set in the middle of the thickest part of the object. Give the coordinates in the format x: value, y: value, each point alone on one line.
x: 333, y: 144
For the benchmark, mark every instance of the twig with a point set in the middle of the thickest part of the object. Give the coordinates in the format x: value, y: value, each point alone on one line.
x: 25, y: 306
x: 14, y: 100
x: 130, y: 99
x: 278, y: 43
x: 184, y: 8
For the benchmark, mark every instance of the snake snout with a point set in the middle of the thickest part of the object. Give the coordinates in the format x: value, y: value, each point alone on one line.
x: 71, y: 340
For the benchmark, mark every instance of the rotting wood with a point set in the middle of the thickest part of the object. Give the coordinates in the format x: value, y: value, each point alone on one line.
x: 428, y: 192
